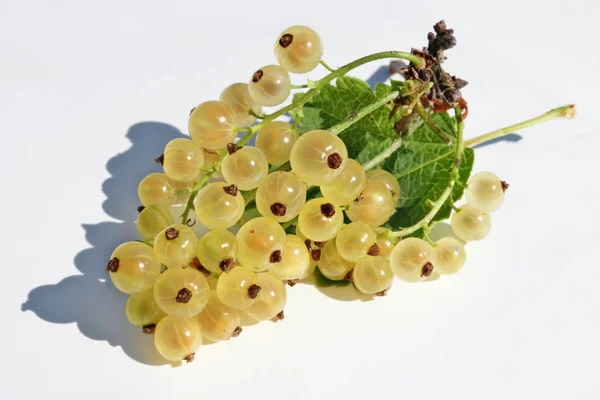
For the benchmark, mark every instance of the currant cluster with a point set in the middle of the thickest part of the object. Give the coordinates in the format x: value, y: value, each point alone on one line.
x: 184, y: 288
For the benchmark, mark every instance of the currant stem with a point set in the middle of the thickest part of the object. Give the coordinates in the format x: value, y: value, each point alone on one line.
x: 431, y: 123
x: 327, y: 67
x: 355, y: 117
x: 190, y: 203
x: 299, y: 86
x: 567, y: 111
x: 251, y: 112
x: 437, y: 205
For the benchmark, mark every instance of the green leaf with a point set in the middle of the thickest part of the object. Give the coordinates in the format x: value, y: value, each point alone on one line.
x: 322, y: 281
x: 422, y: 164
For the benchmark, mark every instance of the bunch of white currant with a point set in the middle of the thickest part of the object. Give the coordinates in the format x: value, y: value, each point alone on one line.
x: 184, y: 288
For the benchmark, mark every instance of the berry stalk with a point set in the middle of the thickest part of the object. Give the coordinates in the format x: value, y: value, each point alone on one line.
x: 567, y: 111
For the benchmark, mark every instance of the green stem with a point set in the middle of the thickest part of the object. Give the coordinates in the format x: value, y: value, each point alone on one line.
x: 250, y: 196
x: 437, y: 205
x: 190, y: 203
x: 431, y: 123
x: 299, y: 86
x: 327, y: 67
x: 567, y: 111
x: 251, y: 112
x: 355, y: 117
x: 373, y: 162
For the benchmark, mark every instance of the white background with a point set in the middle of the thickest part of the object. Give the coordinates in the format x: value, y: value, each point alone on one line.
x: 91, y: 91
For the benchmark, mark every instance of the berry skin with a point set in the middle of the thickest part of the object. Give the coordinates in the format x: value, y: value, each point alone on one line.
x: 387, y: 179
x: 177, y: 338
x: 374, y: 206
x: 152, y: 220
x: 270, y: 85
x: 470, y: 224
x: 320, y: 220
x: 238, y: 98
x: 411, y: 260
x: 141, y: 309
x: 217, y: 250
x: 485, y: 192
x: 219, y: 205
x: 245, y: 167
x: 372, y: 275
x: 182, y: 160
x: 237, y: 288
x: 449, y: 255
x: 355, y: 240
x: 133, y: 267
x: 276, y: 140
x: 212, y: 125
x: 299, y: 49
x: 175, y: 246
x: 181, y: 292
x: 385, y: 246
x: 318, y: 157
x: 260, y: 243
x: 345, y: 188
x: 156, y: 189
x: 270, y: 300
x: 280, y: 196
x: 218, y: 321
x: 295, y: 260
x: 332, y: 264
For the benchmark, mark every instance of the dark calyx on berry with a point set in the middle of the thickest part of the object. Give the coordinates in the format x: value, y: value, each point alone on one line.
x: 198, y: 265
x: 231, y: 190
x: 359, y: 198
x: 426, y: 270
x: 320, y: 244
x: 275, y: 257
x: 140, y: 209
x: 257, y: 76
x: 227, y: 264
x: 160, y: 159
x: 171, y: 233
x: 315, y: 254
x: 280, y: 315
x: 286, y: 39
x: 334, y: 161
x: 189, y: 358
x: 149, y: 329
x: 278, y: 209
x: 232, y: 148
x: 113, y: 265
x: 253, y: 291
x: 328, y: 210
x: 349, y: 275
x: 307, y: 244
x: 505, y: 185
x: 292, y: 282
x: 236, y: 331
x: 373, y: 250
x: 184, y: 296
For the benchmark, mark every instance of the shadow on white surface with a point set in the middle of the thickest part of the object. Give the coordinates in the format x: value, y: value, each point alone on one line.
x: 90, y: 300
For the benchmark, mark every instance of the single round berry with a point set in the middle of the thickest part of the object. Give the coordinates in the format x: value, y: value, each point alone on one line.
x: 212, y: 125
x: 485, y: 192
x: 153, y: 219
x: 299, y: 49
x: 374, y: 206
x: 219, y: 205
x: 449, y: 255
x: 411, y: 260
x: 244, y: 167
x: 471, y: 224
x: 175, y: 246
x: 355, y: 240
x: 270, y: 85
x: 218, y: 321
x: 387, y: 179
x: 276, y: 140
x: 237, y: 288
x: 141, y: 309
x: 133, y: 267
x: 320, y: 220
x: 178, y: 338
x: 345, y: 188
x: 280, y: 196
x: 182, y: 160
x: 270, y: 300
x: 217, y: 250
x: 372, y: 274
x: 259, y: 240
x: 318, y: 157
x: 181, y: 292
x: 332, y: 264
x: 156, y: 189
x: 295, y: 260
x: 237, y: 97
